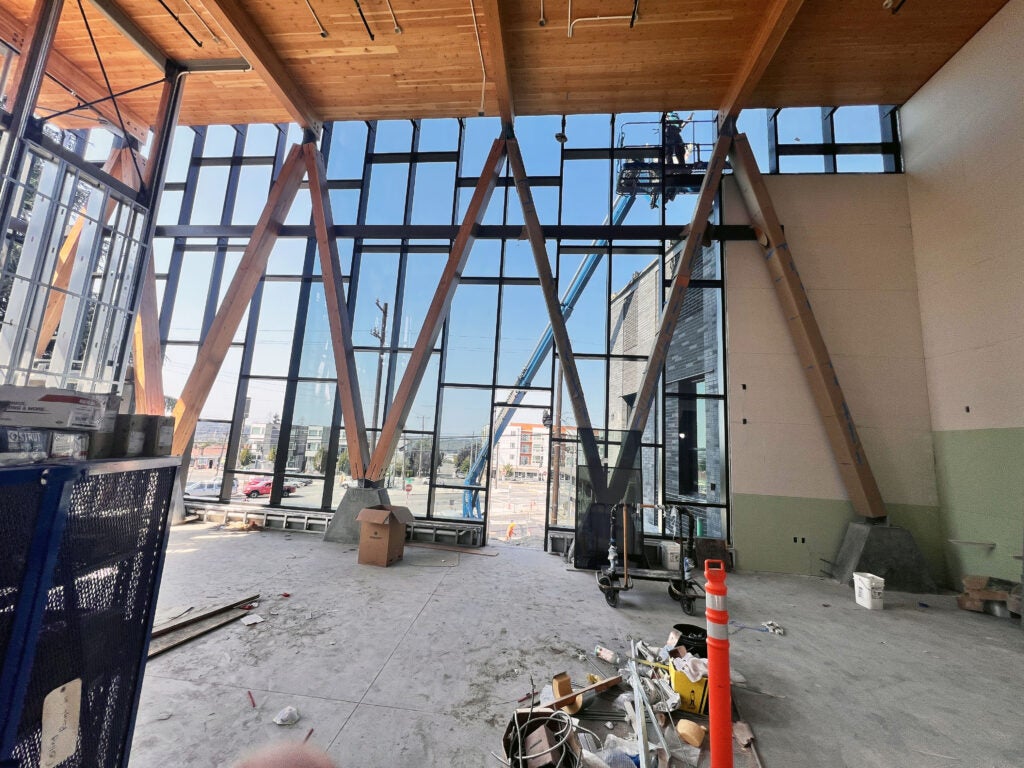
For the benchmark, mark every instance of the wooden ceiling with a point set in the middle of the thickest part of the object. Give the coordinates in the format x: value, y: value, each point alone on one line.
x: 679, y: 54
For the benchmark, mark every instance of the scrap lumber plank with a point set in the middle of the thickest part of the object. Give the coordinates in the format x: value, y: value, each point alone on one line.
x: 195, y: 618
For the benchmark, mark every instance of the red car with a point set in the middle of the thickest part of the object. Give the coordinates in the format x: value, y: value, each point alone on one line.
x: 260, y: 486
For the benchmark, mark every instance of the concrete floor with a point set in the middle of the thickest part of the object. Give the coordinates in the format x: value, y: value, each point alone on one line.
x: 421, y: 664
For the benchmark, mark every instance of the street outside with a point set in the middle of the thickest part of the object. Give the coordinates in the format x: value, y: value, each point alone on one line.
x: 515, y: 515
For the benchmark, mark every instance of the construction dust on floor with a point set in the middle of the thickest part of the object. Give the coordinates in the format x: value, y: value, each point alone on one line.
x: 424, y: 662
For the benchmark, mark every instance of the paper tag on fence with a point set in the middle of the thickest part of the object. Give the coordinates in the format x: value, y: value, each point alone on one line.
x: 61, y: 711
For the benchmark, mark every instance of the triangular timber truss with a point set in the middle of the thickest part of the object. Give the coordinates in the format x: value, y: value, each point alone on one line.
x: 370, y: 467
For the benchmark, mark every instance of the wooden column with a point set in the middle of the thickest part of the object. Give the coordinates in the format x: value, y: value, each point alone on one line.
x: 236, y: 299
x: 399, y: 412
x: 337, y: 314
x: 669, y: 317
x: 585, y: 429
x: 835, y: 413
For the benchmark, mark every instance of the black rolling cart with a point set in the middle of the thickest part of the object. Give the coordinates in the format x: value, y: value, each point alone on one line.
x: 81, y: 551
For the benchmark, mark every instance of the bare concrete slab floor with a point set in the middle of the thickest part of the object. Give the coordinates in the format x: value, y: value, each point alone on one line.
x: 420, y: 664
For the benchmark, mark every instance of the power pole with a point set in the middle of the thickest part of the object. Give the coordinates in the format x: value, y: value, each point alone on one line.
x: 380, y: 333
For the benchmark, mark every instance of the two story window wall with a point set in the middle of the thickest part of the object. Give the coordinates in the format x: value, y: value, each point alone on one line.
x: 610, y: 190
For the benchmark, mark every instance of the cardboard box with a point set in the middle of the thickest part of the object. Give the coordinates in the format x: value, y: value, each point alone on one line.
x: 382, y: 534
x: 159, y: 436
x: 69, y: 445
x: 101, y: 442
x: 47, y: 408
x: 129, y: 435
x: 19, y: 440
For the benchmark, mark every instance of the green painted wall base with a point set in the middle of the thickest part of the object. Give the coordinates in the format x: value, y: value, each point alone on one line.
x: 980, y: 474
x: 787, y: 534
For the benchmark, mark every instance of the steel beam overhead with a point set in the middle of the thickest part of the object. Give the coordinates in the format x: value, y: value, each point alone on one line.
x: 585, y: 429
x: 436, y: 314
x: 835, y: 413
x: 250, y: 41
x: 131, y: 30
x: 247, y: 276
x: 777, y: 19
x: 147, y: 354
x: 337, y: 314
x: 670, y: 317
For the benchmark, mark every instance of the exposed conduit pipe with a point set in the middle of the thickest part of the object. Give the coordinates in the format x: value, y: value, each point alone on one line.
x: 480, y: 50
x: 631, y: 18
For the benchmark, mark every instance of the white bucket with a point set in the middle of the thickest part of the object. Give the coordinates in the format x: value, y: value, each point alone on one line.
x: 869, y: 590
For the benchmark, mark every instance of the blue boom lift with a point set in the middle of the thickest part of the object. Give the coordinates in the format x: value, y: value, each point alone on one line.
x: 644, y: 172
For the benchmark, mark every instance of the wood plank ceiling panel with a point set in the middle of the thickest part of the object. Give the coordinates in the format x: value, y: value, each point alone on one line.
x: 681, y: 54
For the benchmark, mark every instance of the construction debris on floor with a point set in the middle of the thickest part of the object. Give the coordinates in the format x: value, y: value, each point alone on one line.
x: 651, y: 713
x: 985, y: 594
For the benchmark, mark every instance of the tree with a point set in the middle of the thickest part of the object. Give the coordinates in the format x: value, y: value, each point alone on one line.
x: 245, y: 456
x: 507, y: 471
x: 464, y: 466
x: 344, y: 466
x: 272, y: 454
x: 318, y: 459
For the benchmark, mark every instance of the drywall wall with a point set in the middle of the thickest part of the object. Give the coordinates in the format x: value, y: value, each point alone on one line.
x: 850, y: 237
x: 963, y: 140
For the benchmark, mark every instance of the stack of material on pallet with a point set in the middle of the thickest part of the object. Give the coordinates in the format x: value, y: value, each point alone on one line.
x: 988, y: 594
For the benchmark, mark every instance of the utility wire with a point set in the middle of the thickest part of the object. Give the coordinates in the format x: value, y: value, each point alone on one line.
x: 174, y: 16
x: 110, y: 90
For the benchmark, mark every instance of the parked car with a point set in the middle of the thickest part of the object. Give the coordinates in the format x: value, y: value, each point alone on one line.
x: 260, y: 486
x: 203, y: 488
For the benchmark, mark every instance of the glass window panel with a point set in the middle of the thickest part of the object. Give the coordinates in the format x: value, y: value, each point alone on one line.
x: 386, y: 204
x: 261, y: 429
x: 801, y: 124
x: 317, y: 350
x: 261, y: 139
x: 344, y: 205
x: 545, y: 200
x: 594, y: 381
x: 588, y: 131
x: 754, y: 123
x: 181, y: 152
x: 301, y: 211
x: 179, y: 360
x: 423, y: 273
x: 464, y: 432
x: 220, y: 141
x: 563, y: 481
x: 424, y: 404
x: 348, y: 148
x: 162, y: 254
x: 220, y: 404
x: 275, y: 329
x: 190, y: 301
x: 253, y: 190
x: 585, y: 191
x: 207, y: 461
x: 288, y: 256
x: 210, y: 190
x: 434, y: 193
x: 231, y: 261
x: 542, y: 154
x: 378, y: 278
x: 694, y: 459
x: 800, y: 164
x: 471, y: 326
x: 170, y: 207
x: 519, y: 260
x: 694, y: 350
x: 493, y: 214
x: 860, y: 164
x: 394, y: 136
x: 439, y: 135
x: 588, y: 323
x: 857, y: 124
x: 480, y: 135
x: 484, y: 259
x: 524, y: 320
x: 372, y: 371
